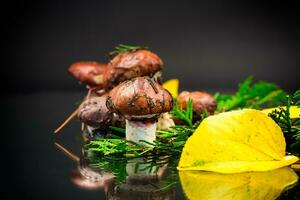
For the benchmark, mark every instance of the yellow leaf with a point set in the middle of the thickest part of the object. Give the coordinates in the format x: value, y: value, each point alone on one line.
x: 241, y: 186
x: 294, y: 111
x: 172, y: 86
x: 234, y: 142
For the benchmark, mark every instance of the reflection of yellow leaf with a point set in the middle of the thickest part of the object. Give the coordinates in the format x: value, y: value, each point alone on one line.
x: 172, y: 86
x: 236, y: 141
x: 296, y: 166
x: 243, y: 186
x: 294, y: 111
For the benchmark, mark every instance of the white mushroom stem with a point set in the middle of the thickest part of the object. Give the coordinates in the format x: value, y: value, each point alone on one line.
x: 90, y: 129
x: 165, y: 121
x: 139, y: 130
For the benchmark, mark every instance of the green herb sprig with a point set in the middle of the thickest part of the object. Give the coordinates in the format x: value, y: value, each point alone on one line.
x: 168, y: 143
x: 184, y: 115
x: 251, y: 95
x: 290, y: 127
x: 297, y: 98
x: 124, y: 48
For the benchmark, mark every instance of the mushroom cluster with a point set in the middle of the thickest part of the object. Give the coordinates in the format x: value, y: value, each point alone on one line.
x: 126, y: 92
x: 100, y: 79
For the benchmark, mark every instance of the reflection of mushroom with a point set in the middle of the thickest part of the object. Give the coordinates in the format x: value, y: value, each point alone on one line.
x: 138, y: 170
x: 90, y: 73
x: 87, y: 178
x: 143, y: 182
x: 202, y: 101
x: 130, y: 191
x: 94, y: 113
x: 140, y: 101
x: 84, y: 176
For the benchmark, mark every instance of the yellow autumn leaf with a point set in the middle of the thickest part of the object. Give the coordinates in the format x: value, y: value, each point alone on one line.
x: 234, y: 142
x: 172, y: 86
x: 242, y: 186
x: 294, y: 111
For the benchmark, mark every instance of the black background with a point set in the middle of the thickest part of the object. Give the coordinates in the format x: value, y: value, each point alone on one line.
x: 206, y: 44
x: 210, y: 45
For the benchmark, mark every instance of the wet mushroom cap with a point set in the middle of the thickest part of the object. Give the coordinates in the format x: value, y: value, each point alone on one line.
x: 91, y: 73
x: 202, y: 101
x: 140, y: 97
x: 131, y: 64
x: 93, y: 111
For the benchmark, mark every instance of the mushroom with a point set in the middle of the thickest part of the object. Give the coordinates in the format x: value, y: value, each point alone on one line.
x: 124, y: 66
x: 131, y: 64
x: 94, y: 113
x: 202, y: 101
x: 140, y: 100
x: 165, y: 121
x: 91, y: 73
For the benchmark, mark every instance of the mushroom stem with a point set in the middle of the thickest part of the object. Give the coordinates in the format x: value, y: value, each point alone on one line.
x: 136, y: 131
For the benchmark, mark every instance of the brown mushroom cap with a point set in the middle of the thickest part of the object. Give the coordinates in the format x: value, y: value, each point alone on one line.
x: 131, y: 64
x: 93, y: 111
x: 138, y: 98
x: 91, y: 73
x: 202, y: 101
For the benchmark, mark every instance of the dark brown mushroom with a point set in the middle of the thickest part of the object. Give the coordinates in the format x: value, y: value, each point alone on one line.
x: 202, y: 101
x: 131, y: 64
x: 90, y: 73
x: 124, y: 66
x: 94, y: 113
x: 140, y: 100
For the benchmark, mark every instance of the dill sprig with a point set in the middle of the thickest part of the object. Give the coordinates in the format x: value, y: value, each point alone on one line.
x: 251, y: 95
x: 290, y: 127
x: 123, y: 48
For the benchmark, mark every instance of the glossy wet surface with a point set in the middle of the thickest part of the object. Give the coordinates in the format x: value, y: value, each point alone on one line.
x: 37, y: 165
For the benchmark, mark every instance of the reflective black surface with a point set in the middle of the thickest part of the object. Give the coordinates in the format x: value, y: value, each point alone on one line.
x: 37, y: 164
